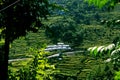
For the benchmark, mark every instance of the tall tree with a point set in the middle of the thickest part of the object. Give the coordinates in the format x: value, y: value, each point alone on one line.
x: 65, y: 30
x: 16, y: 20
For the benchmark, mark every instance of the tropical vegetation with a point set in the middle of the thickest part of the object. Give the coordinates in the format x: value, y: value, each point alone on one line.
x: 90, y: 27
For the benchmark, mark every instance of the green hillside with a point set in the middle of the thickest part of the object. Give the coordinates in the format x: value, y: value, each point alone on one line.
x: 79, y: 26
x: 79, y: 66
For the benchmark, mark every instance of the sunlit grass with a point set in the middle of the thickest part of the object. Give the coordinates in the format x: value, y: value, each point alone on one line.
x: 16, y: 65
x: 71, y: 65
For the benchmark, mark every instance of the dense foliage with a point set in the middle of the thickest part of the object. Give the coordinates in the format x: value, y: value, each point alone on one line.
x: 20, y: 47
x: 111, y: 52
x: 78, y: 15
x: 22, y: 17
x: 64, y: 30
x: 78, y: 24
x: 37, y: 68
x: 101, y: 3
x: 16, y: 20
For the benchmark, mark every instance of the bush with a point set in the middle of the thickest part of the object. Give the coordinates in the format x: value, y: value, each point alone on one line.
x: 38, y: 69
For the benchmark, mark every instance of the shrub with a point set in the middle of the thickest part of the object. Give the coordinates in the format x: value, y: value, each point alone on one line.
x: 38, y: 69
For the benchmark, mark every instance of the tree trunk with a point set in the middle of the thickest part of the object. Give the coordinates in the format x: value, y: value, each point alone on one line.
x: 1, y: 61
x: 6, y: 58
x: 4, y: 69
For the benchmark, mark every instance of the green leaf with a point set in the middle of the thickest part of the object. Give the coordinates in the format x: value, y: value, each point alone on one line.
x: 110, y: 47
x: 100, y: 48
x: 115, y: 52
x: 95, y: 51
x: 117, y: 75
x: 101, y: 3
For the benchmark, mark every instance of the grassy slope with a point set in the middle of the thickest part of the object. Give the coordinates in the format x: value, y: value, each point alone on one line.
x: 93, y: 35
x: 16, y: 65
x: 98, y: 35
x: 80, y: 67
x: 20, y: 48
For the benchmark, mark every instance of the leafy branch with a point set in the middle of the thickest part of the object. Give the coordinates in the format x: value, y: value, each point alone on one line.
x: 101, y: 50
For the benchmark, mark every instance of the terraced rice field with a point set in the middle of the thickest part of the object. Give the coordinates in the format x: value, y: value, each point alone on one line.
x: 77, y: 66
